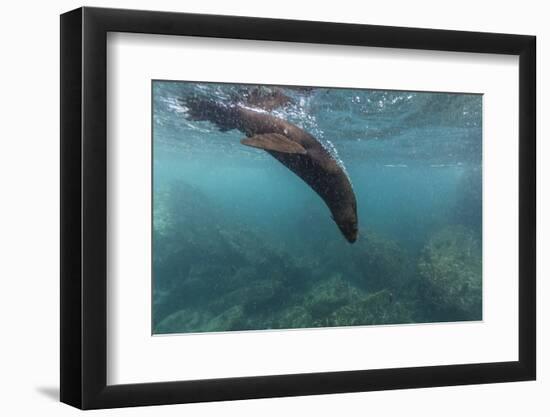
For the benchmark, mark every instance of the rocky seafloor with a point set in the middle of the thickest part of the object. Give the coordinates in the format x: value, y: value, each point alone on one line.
x: 215, y: 273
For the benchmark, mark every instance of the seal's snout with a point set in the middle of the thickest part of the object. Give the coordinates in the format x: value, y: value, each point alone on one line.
x: 351, y: 234
x: 349, y: 229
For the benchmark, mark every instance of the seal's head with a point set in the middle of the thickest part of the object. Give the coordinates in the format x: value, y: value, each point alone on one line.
x: 346, y: 220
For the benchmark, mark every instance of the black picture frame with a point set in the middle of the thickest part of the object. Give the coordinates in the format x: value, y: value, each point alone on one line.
x: 84, y: 207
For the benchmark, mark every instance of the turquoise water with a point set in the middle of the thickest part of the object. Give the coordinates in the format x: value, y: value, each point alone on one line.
x: 242, y: 243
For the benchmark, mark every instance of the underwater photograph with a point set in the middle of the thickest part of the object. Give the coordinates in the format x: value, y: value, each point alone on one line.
x: 298, y: 207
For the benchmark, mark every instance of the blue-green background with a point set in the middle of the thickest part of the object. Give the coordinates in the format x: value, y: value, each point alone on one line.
x: 240, y: 242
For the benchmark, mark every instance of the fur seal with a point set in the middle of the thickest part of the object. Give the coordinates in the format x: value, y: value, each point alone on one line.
x: 293, y: 147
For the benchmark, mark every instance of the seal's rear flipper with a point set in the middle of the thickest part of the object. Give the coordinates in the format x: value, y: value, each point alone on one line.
x: 217, y: 112
x: 274, y: 142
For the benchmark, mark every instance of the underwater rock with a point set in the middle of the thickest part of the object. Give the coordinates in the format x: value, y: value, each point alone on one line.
x: 376, y: 308
x: 293, y: 318
x: 450, y: 266
x: 337, y: 302
x: 193, y: 287
x: 230, y: 319
x: 254, y: 296
x: 329, y: 295
x: 216, y: 264
x: 183, y: 321
x: 193, y: 320
x: 177, y: 235
x: 384, y: 263
x: 373, y: 263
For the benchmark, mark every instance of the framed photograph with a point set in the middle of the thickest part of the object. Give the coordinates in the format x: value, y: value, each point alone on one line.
x: 257, y: 208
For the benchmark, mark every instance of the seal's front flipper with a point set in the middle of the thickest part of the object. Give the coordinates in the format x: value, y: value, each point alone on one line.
x: 274, y: 142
